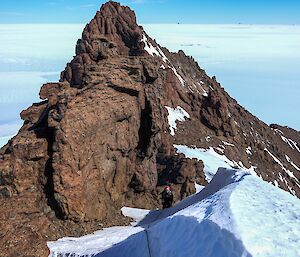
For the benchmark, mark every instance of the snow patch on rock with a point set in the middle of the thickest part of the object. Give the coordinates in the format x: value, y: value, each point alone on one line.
x: 292, y: 163
x: 150, y: 49
x: 249, y: 150
x: 136, y: 214
x: 211, y: 159
x: 153, y: 50
x: 291, y: 174
x: 289, y: 141
x: 229, y: 144
x: 199, y: 187
x: 287, y: 171
x: 181, y: 80
x: 174, y: 115
x: 204, y: 93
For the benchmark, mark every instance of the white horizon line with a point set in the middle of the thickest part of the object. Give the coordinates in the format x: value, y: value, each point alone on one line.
x: 237, y: 24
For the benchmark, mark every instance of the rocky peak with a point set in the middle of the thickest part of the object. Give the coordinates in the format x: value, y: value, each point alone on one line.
x: 117, y: 24
x: 112, y: 32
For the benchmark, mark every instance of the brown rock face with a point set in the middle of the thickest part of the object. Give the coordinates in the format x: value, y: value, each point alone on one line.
x: 112, y: 32
x: 95, y: 142
x: 101, y: 139
x: 215, y: 114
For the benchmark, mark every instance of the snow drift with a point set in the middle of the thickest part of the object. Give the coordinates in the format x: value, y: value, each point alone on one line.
x: 237, y: 214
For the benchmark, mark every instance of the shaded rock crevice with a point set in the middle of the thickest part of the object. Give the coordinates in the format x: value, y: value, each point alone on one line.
x: 42, y: 130
x: 145, y: 131
x: 49, y: 190
x: 125, y: 90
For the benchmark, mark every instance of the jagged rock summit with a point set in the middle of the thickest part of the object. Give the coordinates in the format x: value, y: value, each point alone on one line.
x: 112, y: 32
x: 107, y: 135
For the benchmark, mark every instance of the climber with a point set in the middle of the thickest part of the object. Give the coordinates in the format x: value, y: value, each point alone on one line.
x: 167, y: 197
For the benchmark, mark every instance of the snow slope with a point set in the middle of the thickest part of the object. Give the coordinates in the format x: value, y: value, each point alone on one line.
x: 237, y: 214
x: 90, y: 244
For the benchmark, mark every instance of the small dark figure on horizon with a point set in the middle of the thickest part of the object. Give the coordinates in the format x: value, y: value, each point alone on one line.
x: 167, y: 197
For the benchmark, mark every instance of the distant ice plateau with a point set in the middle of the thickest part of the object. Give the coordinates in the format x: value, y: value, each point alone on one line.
x: 256, y: 64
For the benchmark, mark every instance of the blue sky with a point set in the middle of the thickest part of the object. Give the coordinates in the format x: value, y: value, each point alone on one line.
x: 155, y: 11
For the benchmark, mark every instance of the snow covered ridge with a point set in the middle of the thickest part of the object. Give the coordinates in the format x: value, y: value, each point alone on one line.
x: 176, y: 114
x: 236, y: 215
x: 211, y: 159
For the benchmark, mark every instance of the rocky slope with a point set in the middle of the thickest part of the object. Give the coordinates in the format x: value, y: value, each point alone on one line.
x: 101, y: 137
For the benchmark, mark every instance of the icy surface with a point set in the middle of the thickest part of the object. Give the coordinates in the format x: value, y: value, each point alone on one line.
x: 211, y: 159
x: 236, y: 215
x: 136, y: 214
x: 94, y: 243
x: 267, y: 218
x: 198, y: 187
x: 176, y: 114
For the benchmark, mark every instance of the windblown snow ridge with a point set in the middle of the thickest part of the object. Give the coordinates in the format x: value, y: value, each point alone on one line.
x: 237, y: 214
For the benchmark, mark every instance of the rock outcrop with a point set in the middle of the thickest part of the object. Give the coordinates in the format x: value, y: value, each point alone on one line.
x: 100, y: 139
